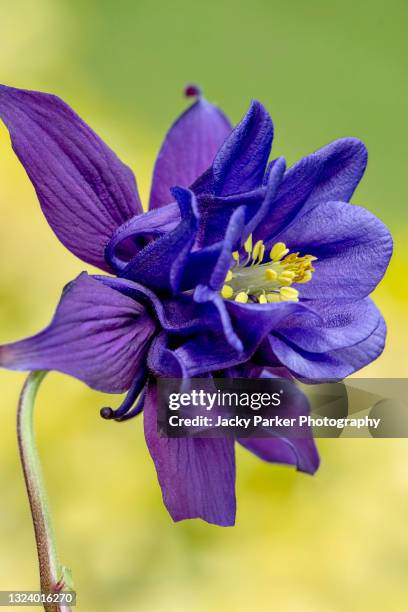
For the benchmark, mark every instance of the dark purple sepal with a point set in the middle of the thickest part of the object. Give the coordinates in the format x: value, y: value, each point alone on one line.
x: 241, y: 161
x: 327, y: 325
x: 97, y: 335
x: 230, y: 243
x: 196, y: 475
x: 332, y: 365
x: 84, y: 190
x: 298, y: 449
x: 216, y: 211
x: 331, y: 173
x: 188, y: 149
x: 299, y: 452
x: 353, y: 249
x: 159, y: 266
x: 183, y: 314
x: 135, y: 234
x: 211, y: 351
x: 267, y: 207
x: 205, y: 296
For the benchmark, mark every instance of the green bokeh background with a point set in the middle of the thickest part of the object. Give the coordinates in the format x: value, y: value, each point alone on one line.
x: 334, y: 542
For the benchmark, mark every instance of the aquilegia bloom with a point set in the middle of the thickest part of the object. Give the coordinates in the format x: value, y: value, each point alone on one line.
x: 239, y: 268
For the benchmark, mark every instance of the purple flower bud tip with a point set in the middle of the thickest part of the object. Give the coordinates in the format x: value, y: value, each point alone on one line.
x: 106, y: 413
x: 191, y: 91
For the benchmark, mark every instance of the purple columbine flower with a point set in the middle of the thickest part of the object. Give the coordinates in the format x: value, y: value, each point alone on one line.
x: 240, y: 267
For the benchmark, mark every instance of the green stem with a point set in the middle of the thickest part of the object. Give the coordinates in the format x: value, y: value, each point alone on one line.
x: 53, y: 576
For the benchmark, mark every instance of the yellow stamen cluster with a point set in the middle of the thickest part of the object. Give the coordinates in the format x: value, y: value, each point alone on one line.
x: 250, y: 279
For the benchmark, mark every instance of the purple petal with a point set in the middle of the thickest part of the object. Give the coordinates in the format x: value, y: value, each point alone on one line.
x: 196, y: 475
x: 181, y: 315
x: 331, y: 173
x: 188, y: 149
x: 133, y: 235
x: 340, y: 166
x: 216, y: 212
x: 228, y: 220
x: 268, y: 171
x: 85, y: 191
x: 160, y: 265
x: 353, y: 248
x: 163, y: 361
x: 331, y: 325
x: 97, y: 335
x: 205, y: 296
x: 241, y: 162
x: 333, y: 365
x: 252, y: 322
x: 300, y: 452
x: 232, y: 238
x: 199, y: 266
x: 268, y: 205
x: 210, y: 351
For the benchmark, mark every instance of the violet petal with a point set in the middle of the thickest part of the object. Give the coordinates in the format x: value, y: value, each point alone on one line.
x: 196, y: 475
x: 97, y: 335
x: 85, y: 191
x: 241, y: 161
x: 188, y: 149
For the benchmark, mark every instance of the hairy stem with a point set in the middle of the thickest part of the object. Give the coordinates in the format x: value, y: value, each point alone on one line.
x: 53, y: 576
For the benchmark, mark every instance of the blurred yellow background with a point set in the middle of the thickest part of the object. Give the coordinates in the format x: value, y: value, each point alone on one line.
x: 334, y: 542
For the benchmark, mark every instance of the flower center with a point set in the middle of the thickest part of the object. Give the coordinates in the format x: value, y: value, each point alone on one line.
x: 250, y: 279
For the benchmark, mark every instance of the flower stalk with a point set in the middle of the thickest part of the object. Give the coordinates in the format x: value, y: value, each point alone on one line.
x: 54, y: 578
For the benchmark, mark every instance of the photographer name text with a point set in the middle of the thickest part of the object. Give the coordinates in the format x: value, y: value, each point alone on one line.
x: 275, y: 422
